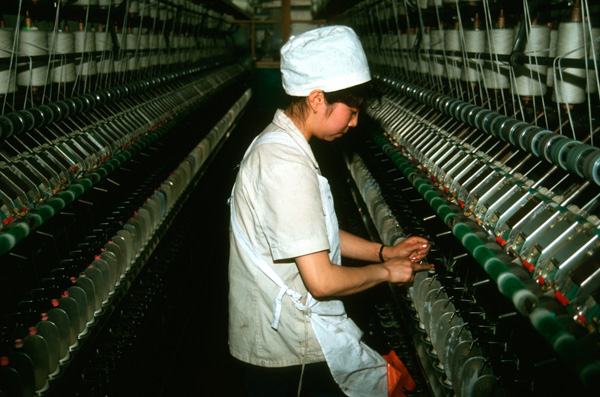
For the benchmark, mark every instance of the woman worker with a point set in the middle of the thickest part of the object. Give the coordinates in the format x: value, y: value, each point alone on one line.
x: 286, y: 246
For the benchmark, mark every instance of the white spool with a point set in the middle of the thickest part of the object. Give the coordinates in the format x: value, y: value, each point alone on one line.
x: 32, y: 43
x: 594, y: 47
x: 452, y: 43
x: 62, y: 43
x: 531, y: 78
x: 570, y: 83
x: 497, y: 74
x: 144, y: 46
x: 86, y: 3
x: 434, y: 3
x: 131, y: 44
x: 475, y: 43
x: 134, y: 7
x: 437, y: 43
x: 7, y: 76
x: 403, y: 43
x: 385, y: 56
x: 552, y: 53
x: 153, y: 45
x: 412, y: 62
x: 85, y: 43
x: 104, y: 43
x: 424, y: 60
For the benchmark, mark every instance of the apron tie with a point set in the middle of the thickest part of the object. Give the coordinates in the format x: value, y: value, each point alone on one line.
x: 296, y: 296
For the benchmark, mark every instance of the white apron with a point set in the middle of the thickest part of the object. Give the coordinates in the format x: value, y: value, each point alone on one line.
x: 358, y: 370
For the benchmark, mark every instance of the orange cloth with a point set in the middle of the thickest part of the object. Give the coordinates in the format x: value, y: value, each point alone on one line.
x: 399, y: 378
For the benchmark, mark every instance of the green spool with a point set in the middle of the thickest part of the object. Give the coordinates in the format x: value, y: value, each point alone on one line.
x: 94, y: 177
x: 77, y: 189
x: 42, y: 214
x: 7, y: 242
x: 19, y: 230
x: 66, y: 196
x: 56, y: 203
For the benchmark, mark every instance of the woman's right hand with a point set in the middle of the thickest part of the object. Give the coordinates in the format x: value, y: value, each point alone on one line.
x: 402, y: 270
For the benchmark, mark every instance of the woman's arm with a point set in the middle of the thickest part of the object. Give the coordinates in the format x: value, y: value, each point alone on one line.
x: 324, y: 279
x: 354, y: 247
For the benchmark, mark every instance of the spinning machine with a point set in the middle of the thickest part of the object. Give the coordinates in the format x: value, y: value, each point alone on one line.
x: 111, y: 112
x: 484, y: 140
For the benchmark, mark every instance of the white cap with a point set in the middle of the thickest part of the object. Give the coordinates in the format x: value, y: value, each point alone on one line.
x: 329, y: 58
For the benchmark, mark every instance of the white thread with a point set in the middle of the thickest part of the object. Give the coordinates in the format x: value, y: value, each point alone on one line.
x: 474, y: 42
x: 153, y: 45
x: 594, y: 55
x: 425, y: 46
x: 144, y: 46
x: 7, y: 76
x: 62, y: 43
x: 33, y: 43
x: 86, y: 3
x: 497, y: 74
x: 104, y: 43
x: 452, y: 43
x: 552, y: 53
x: 85, y: 43
x: 569, y: 82
x: 131, y: 43
x: 437, y: 43
x: 531, y: 78
x: 412, y: 63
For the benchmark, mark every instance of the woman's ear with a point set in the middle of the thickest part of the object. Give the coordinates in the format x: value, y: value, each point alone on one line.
x: 315, y: 99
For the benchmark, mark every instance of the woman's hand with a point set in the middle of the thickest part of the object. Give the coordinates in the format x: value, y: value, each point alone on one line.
x: 413, y: 248
x: 402, y: 270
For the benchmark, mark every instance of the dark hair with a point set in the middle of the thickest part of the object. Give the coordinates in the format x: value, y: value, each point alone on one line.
x: 358, y: 96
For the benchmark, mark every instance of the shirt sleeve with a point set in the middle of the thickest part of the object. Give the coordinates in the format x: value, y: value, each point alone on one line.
x: 289, y: 199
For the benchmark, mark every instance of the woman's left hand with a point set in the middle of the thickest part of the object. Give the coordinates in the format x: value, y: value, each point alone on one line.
x: 413, y: 248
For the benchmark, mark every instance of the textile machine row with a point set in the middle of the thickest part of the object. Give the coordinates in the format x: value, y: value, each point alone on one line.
x: 111, y: 113
x: 484, y: 141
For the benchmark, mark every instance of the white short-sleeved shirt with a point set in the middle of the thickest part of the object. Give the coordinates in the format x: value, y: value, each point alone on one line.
x: 278, y: 205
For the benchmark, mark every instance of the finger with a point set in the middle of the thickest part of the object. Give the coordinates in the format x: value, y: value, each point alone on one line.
x: 417, y: 240
x: 417, y: 267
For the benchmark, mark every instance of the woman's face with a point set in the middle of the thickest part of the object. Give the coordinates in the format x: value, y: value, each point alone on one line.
x: 336, y: 121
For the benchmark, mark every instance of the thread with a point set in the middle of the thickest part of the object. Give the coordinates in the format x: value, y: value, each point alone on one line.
x: 412, y: 62
x: 86, y: 3
x: 452, y: 43
x: 85, y: 43
x: 552, y: 53
x: 569, y: 82
x: 131, y: 43
x: 497, y: 74
x: 153, y: 45
x: 386, y: 57
x: 531, y: 78
x: 104, y: 43
x: 33, y: 42
x: 144, y: 46
x: 437, y: 43
x: 62, y: 43
x: 474, y: 42
x: 425, y: 46
x: 7, y: 76
x: 594, y: 48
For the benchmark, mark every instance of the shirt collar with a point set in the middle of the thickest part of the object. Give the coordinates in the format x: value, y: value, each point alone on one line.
x: 282, y: 121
